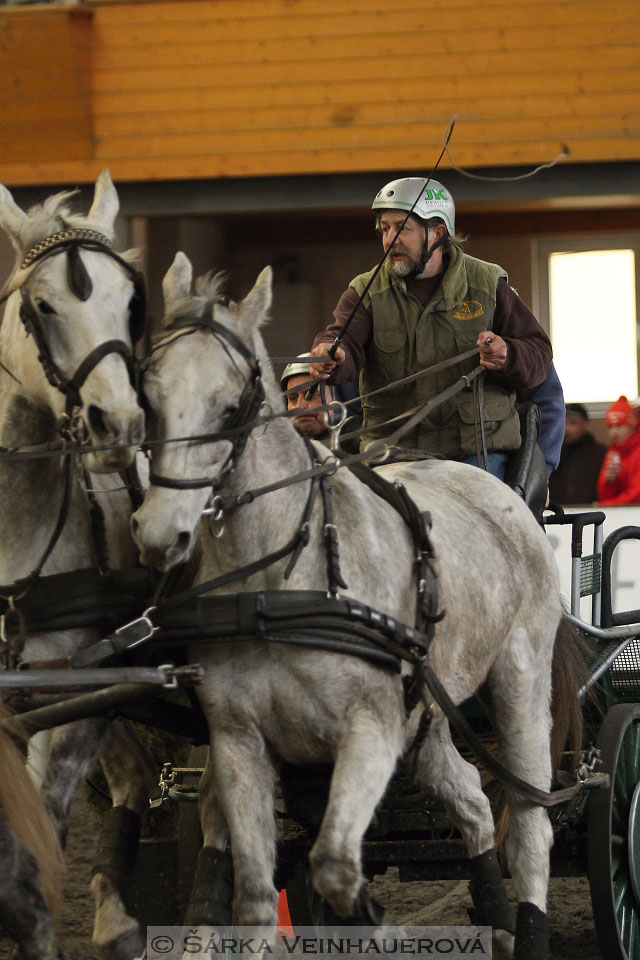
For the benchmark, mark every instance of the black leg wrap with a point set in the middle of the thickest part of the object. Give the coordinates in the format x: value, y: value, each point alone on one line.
x: 118, y: 848
x: 367, y: 912
x: 211, y: 897
x: 491, y: 907
x: 532, y: 934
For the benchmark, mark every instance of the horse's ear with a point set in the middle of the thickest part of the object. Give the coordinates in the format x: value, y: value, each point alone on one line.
x: 177, y: 280
x: 104, y: 208
x: 257, y: 302
x: 14, y: 220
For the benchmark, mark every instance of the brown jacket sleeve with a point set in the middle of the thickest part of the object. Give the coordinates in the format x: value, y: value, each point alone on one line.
x: 355, y: 339
x: 529, y: 351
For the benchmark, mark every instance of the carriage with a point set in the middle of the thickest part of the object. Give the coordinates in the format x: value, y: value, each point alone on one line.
x: 373, y: 648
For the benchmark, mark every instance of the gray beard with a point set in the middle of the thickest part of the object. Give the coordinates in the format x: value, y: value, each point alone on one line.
x: 402, y: 269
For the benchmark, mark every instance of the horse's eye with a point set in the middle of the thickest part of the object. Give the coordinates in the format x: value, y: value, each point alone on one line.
x: 222, y: 301
x: 44, y: 307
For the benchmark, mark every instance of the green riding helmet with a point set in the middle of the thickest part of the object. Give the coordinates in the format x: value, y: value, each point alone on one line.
x: 428, y: 198
x: 294, y: 369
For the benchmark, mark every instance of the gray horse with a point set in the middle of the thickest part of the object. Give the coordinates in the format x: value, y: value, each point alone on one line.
x: 68, y: 379
x: 497, y: 583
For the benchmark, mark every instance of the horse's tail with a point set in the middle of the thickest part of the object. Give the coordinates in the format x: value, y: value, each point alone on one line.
x: 26, y: 814
x: 568, y: 674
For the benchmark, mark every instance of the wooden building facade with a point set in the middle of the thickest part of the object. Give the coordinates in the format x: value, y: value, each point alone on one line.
x: 248, y: 132
x: 252, y: 88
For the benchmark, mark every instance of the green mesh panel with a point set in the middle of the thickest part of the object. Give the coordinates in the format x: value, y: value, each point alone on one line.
x: 624, y: 674
x: 590, y: 571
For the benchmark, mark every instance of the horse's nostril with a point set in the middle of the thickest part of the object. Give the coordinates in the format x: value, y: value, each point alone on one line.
x: 183, y: 540
x: 135, y: 526
x: 96, y: 420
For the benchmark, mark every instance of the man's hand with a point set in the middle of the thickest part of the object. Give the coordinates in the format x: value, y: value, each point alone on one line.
x: 325, y: 367
x: 493, y: 350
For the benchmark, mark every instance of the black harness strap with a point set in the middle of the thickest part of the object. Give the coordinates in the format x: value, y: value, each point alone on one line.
x: 307, y: 617
x: 20, y: 587
x: 487, y: 759
x: 294, y: 546
x: 334, y: 574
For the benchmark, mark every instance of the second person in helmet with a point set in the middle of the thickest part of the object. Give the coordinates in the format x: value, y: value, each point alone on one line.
x: 429, y: 302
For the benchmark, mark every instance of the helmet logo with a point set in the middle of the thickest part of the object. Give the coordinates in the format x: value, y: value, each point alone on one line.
x: 435, y: 195
x: 467, y: 310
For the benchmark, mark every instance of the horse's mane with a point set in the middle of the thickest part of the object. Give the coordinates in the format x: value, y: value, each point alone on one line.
x: 53, y: 214
x: 208, y: 288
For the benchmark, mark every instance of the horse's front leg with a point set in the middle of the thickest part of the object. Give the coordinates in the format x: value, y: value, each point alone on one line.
x: 243, y: 779
x: 131, y: 774
x: 365, y: 761
x: 73, y: 753
x: 211, y: 898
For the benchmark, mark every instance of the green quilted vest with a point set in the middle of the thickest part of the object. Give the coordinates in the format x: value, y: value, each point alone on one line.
x: 407, y: 338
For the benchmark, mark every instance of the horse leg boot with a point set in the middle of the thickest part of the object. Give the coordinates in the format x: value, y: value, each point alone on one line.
x: 440, y: 769
x: 130, y: 773
x: 365, y: 761
x: 242, y: 784
x: 211, y: 900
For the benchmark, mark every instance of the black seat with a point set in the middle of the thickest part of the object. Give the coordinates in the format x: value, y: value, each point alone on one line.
x: 526, y: 471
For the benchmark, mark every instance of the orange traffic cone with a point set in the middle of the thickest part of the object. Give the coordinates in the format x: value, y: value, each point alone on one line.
x: 284, y: 920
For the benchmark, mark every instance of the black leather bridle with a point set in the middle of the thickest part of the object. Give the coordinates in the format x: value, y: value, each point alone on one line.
x: 250, y: 401
x: 71, y: 241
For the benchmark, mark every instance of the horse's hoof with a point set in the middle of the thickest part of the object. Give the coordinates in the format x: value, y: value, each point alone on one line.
x: 129, y: 946
x: 501, y: 944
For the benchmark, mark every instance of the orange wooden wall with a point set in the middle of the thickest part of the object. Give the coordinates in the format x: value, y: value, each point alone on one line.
x: 233, y: 88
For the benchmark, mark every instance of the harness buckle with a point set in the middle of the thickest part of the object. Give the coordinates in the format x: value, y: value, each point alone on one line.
x: 141, y: 629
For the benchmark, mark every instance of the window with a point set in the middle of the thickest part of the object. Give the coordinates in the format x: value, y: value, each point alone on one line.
x: 584, y: 293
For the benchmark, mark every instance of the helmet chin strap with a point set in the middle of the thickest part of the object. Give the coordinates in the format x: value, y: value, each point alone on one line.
x: 427, y: 253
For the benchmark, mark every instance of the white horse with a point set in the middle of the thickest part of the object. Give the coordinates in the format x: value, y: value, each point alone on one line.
x: 497, y: 584
x: 73, y: 308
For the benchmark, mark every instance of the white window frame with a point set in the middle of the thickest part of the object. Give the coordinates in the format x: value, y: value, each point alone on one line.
x: 543, y: 247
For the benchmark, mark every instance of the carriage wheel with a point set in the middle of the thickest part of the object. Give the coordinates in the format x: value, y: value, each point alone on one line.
x: 614, y: 837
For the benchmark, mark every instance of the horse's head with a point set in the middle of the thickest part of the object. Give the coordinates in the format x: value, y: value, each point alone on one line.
x: 83, y: 306
x: 202, y: 380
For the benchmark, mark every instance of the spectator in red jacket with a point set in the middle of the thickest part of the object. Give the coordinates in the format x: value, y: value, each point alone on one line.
x: 619, y: 480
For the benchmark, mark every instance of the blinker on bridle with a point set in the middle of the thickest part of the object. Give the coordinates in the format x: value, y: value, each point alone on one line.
x: 251, y: 399
x: 71, y: 241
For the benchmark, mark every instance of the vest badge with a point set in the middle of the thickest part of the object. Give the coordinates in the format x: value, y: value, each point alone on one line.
x: 467, y: 310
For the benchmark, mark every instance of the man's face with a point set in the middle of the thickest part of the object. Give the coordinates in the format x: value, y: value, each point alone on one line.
x: 310, y: 421
x: 407, y: 248
x: 406, y: 251
x: 574, y: 427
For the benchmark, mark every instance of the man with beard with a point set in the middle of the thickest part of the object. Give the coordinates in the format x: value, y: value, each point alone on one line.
x: 429, y: 302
